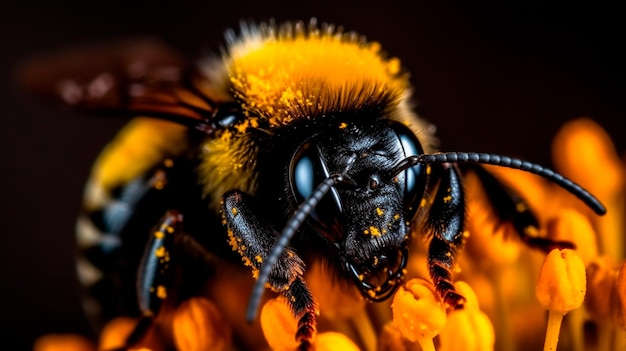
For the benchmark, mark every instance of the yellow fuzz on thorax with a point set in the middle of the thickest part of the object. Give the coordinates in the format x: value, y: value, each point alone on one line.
x: 285, y: 73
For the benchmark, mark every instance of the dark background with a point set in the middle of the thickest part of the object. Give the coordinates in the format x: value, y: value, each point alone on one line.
x: 493, y: 77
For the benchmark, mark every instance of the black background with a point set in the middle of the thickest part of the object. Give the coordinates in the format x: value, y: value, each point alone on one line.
x: 493, y: 77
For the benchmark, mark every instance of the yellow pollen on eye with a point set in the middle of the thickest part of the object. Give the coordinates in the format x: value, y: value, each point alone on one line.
x: 161, y: 292
x: 379, y: 212
x: 520, y: 207
x: 159, y: 234
x: 343, y: 125
x: 160, y: 252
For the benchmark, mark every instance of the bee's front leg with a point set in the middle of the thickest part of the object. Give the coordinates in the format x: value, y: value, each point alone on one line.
x: 446, y: 221
x: 253, y: 239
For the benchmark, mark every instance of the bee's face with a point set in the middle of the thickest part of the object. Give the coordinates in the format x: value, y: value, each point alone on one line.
x: 366, y: 222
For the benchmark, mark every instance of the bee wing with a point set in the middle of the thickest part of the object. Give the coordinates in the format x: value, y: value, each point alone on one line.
x: 124, y: 78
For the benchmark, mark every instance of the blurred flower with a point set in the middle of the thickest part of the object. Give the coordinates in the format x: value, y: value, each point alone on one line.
x: 495, y: 272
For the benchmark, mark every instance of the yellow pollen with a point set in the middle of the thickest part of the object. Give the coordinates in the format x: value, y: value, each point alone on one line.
x: 161, y: 292
x: 531, y: 230
x: 343, y: 125
x: 379, y: 212
x: 234, y: 211
x: 160, y: 252
x: 423, y: 202
x: 169, y: 229
x: 447, y: 199
x: 159, y: 234
x: 375, y: 231
x: 396, y: 216
x: 258, y: 258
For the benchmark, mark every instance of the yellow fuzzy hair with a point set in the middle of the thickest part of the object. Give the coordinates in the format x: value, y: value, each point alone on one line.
x: 293, y: 71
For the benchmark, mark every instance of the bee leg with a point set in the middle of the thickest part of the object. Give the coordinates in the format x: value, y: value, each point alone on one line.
x: 108, y: 245
x: 445, y: 221
x: 253, y: 239
x: 156, y: 272
x: 509, y: 206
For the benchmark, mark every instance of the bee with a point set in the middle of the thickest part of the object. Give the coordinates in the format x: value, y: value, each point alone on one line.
x: 297, y: 143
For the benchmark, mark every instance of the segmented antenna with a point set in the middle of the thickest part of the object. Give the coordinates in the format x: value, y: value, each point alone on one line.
x: 292, y: 226
x: 505, y: 161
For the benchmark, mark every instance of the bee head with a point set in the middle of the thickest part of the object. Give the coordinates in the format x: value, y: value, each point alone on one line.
x: 364, y: 217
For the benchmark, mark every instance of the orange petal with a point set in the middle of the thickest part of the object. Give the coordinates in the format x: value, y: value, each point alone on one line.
x: 391, y: 339
x: 418, y: 311
x: 200, y: 326
x: 561, y: 285
x: 63, y: 342
x: 583, y: 151
x: 469, y: 328
x: 279, y: 325
x: 332, y: 341
x: 115, y: 333
x: 571, y: 225
x: 621, y: 293
x: 606, y: 291
x: 484, y: 227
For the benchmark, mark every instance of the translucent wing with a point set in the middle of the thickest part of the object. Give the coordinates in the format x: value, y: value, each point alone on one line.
x: 123, y: 78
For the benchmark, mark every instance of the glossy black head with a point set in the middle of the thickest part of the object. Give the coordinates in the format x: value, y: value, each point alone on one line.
x: 366, y: 222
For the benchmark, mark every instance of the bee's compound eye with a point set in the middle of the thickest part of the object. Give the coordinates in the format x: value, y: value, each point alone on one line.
x: 414, y: 176
x: 302, y: 178
x: 307, y: 171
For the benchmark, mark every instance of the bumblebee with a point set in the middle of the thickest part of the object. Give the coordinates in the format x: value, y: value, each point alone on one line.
x: 298, y: 144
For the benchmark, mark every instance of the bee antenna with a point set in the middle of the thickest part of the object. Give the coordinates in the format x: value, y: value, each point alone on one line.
x: 505, y: 161
x: 293, y: 224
